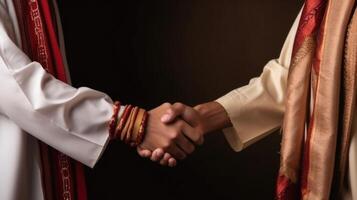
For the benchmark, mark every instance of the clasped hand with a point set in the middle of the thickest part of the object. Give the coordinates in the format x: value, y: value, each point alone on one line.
x: 173, y: 132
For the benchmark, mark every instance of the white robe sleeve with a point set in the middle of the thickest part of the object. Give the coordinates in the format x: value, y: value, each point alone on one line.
x: 73, y: 121
x: 256, y: 109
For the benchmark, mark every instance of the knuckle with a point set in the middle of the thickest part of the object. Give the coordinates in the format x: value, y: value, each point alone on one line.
x: 201, y: 141
x: 167, y: 156
x: 191, y: 149
x: 180, y: 125
x: 174, y: 134
x: 170, y: 111
x: 166, y: 104
x: 196, y: 138
x: 183, y: 156
x: 199, y: 132
x: 166, y: 146
x: 199, y: 108
x: 179, y: 105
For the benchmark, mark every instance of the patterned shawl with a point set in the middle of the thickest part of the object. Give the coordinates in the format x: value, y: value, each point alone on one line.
x: 320, y: 101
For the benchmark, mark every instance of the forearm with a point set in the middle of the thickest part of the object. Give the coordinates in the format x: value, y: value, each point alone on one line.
x: 214, y: 116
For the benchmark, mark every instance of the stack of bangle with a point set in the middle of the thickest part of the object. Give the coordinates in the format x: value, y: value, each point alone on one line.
x: 128, y: 126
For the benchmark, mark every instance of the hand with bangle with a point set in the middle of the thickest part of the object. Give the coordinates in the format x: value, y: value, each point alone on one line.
x: 178, y: 137
x: 187, y: 126
x: 169, y: 132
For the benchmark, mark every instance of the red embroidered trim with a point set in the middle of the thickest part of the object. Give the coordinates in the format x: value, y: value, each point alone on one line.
x: 42, y: 51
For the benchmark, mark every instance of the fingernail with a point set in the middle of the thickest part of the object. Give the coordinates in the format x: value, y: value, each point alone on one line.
x: 165, y: 118
x: 172, y: 164
x: 154, y: 158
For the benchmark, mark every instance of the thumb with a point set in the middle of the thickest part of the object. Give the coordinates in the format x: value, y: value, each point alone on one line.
x: 187, y: 113
x: 169, y: 116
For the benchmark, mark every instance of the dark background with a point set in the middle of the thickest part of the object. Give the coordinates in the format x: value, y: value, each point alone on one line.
x: 149, y: 52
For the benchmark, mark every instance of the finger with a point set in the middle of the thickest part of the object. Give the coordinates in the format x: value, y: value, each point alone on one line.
x: 172, y: 162
x: 188, y: 114
x: 185, y: 144
x: 157, y: 155
x: 180, y: 110
x: 165, y: 160
x: 191, y: 133
x: 171, y: 114
x: 143, y: 152
x: 168, y: 117
x: 200, y: 140
x: 176, y: 152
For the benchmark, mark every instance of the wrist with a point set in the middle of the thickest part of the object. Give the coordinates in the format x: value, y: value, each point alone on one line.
x: 128, y: 124
x: 214, y: 116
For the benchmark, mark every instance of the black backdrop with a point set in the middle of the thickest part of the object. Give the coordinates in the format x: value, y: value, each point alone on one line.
x: 149, y: 52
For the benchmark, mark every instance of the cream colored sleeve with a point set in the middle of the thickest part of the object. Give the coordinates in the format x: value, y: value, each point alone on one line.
x: 256, y: 109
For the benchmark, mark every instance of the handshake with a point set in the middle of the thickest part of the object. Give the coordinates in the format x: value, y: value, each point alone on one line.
x: 174, y: 130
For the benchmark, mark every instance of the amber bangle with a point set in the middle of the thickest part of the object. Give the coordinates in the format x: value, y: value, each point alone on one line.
x: 137, y: 123
x: 131, y: 125
x: 126, y: 126
x: 141, y: 134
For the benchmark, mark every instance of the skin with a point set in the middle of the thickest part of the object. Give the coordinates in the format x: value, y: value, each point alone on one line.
x: 203, y: 118
x: 174, y: 139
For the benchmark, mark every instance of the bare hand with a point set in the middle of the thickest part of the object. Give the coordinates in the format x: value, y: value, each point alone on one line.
x: 175, y: 138
x: 208, y: 117
x: 177, y: 112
